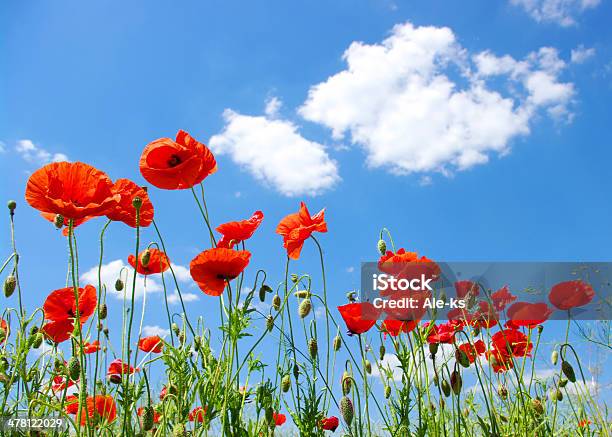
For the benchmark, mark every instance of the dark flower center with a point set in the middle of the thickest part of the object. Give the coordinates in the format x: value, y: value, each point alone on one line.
x: 174, y: 160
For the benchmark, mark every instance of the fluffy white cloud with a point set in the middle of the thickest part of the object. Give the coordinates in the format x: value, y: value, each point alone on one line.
x: 419, y: 102
x: 34, y: 154
x: 149, y: 330
x: 174, y: 298
x: 274, y: 152
x: 562, y: 12
x: 110, y: 272
x: 582, y: 54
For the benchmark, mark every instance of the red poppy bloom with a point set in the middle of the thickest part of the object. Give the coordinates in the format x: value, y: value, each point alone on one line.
x: 501, y: 298
x: 158, y: 262
x: 396, y: 327
x: 60, y: 383
x: 398, y: 309
x: 472, y: 351
x: 408, y: 265
x: 118, y: 367
x: 571, y: 294
x: 176, y: 165
x: 528, y: 314
x: 465, y: 288
x: 296, y: 228
x: 163, y: 393
x: 72, y: 189
x: 124, y: 210
x: 90, y: 348
x: 485, y: 316
x: 214, y: 268
x: 72, y: 404
x: 279, y: 419
x: 198, y: 414
x: 235, y: 232
x: 151, y: 344
x: 100, y: 409
x: 330, y: 423
x: 156, y: 414
x: 60, y: 309
x: 512, y: 342
x: 4, y: 326
x: 444, y: 333
x: 359, y: 317
x: 51, y: 217
x: 584, y: 423
x: 500, y: 362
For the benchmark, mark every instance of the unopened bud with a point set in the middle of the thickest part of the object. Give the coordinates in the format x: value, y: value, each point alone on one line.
x: 562, y: 382
x: 462, y: 358
x: 445, y: 388
x: 37, y: 340
x: 145, y: 258
x: 294, y: 278
x: 262, y: 292
x: 74, y: 368
x: 367, y: 366
x: 554, y: 357
x: 10, y: 283
x: 286, y: 383
x: 276, y: 302
x: 175, y: 329
x: 387, y: 392
x: 119, y: 284
x: 382, y: 247
x: 304, y: 308
x: 556, y: 395
x: 347, y: 383
x: 347, y: 410
x: 269, y: 323
x: 296, y: 371
x: 313, y: 348
x: 456, y: 382
x: 568, y: 371
x: 103, y: 311
x: 382, y: 350
x: 114, y: 378
x: 433, y: 349
x: 337, y: 343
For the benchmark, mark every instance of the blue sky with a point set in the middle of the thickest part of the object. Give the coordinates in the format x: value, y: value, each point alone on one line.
x: 515, y: 165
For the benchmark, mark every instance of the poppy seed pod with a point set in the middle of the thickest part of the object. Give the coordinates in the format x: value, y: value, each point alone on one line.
x: 382, y: 247
x: 147, y: 418
x: 286, y: 383
x: 456, y: 382
x: 276, y: 302
x: 568, y: 371
x: 269, y: 323
x: 445, y: 388
x: 58, y: 221
x: 554, y: 357
x: 313, y: 348
x: 119, y: 284
x: 304, y: 308
x: 337, y: 343
x: 145, y: 258
x: 347, y: 410
x: 74, y: 368
x: 10, y: 283
x: 137, y: 202
x: 11, y: 205
x: 103, y: 312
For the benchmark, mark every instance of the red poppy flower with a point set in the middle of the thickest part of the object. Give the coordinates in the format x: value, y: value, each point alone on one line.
x: 72, y: 404
x: 163, y: 393
x: 512, y: 342
x: 118, y: 367
x: 235, y: 232
x: 156, y: 414
x: 60, y: 310
x: 359, y: 317
x: 399, y: 307
x: 151, y: 344
x: 60, y: 383
x: 101, y: 408
x: 176, y: 165
x: 72, y: 189
x: 124, y: 210
x: 214, y: 268
x: 584, y: 423
x: 296, y: 228
x: 501, y: 298
x: 90, y: 348
x: 279, y: 419
x: 500, y: 362
x: 571, y: 294
x: 528, y: 314
x: 444, y: 333
x: 465, y: 288
x: 51, y: 217
x: 158, y: 262
x: 4, y: 326
x: 485, y: 316
x: 408, y: 265
x: 198, y: 414
x: 472, y: 351
x: 330, y: 423
x: 396, y: 327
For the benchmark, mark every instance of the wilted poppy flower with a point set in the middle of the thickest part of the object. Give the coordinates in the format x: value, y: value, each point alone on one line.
x: 214, y: 268
x: 296, y: 228
x: 236, y: 232
x: 198, y: 414
x: 151, y: 344
x: 473, y: 350
x: 466, y: 288
x: 330, y: 423
x: 396, y: 327
x: 4, y: 327
x: 279, y: 419
x: 176, y: 165
x: 158, y: 262
x: 528, y: 314
x: 124, y: 210
x: 101, y: 408
x: 359, y: 317
x: 90, y: 348
x: 571, y: 294
x: 118, y: 367
x: 500, y: 361
x: 408, y: 265
x: 72, y: 189
x: 512, y: 342
x: 72, y: 404
x: 501, y: 298
x: 156, y: 414
x: 444, y: 333
x: 60, y: 309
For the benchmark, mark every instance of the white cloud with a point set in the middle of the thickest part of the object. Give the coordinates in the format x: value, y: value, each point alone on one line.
x: 149, y: 330
x: 187, y: 297
x: 350, y: 269
x: 582, y: 54
x: 2, y: 147
x: 111, y: 271
x: 419, y: 102
x: 562, y: 12
x: 34, y: 154
x: 274, y: 152
x: 273, y: 105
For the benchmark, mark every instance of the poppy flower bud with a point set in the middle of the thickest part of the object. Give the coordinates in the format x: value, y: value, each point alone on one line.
x: 294, y: 278
x: 103, y: 311
x: 37, y: 340
x: 347, y: 410
x: 537, y: 406
x: 10, y: 283
x: 175, y: 329
x: 296, y: 371
x: 58, y: 221
x: 337, y: 343
x: 456, y: 382
x: 367, y: 366
x: 442, y: 403
x: 181, y: 337
x: 74, y: 368
x: 276, y: 302
x: 433, y: 349
x: 145, y: 258
x: 568, y: 371
x: 382, y: 247
x: 137, y: 202
x: 286, y: 383
x: 147, y: 418
x: 105, y: 332
x: 302, y: 294
x: 34, y: 330
x: 387, y: 392
x: 11, y: 205
x: 304, y: 308
x: 554, y: 357
x: 445, y: 388
x: 119, y: 284
x: 262, y: 292
x: 556, y: 395
x: 269, y: 323
x: 347, y: 383
x: 313, y: 348
x: 502, y: 391
x: 540, y: 328
x: 462, y: 358
x: 382, y: 350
